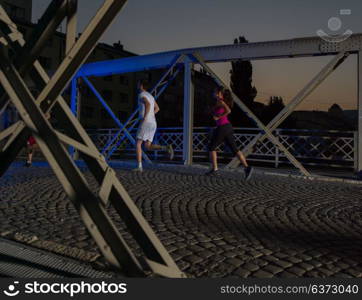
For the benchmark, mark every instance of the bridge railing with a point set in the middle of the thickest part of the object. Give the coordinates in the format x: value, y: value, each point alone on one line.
x: 311, y: 147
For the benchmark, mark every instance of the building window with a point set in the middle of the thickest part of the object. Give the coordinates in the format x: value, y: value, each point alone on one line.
x: 123, y: 98
x: 46, y: 62
x: 123, y: 80
x: 122, y: 115
x: 107, y: 78
x: 87, y: 112
x: 49, y: 42
x: 107, y: 95
x: 15, y: 11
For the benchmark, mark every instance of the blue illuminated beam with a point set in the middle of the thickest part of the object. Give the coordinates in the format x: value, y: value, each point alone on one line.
x: 299, y: 47
x: 117, y: 136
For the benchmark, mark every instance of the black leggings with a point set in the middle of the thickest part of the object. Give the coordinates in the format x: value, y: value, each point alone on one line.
x: 223, y: 134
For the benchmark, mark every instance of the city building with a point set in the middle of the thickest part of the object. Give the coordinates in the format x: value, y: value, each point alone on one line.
x: 18, y: 9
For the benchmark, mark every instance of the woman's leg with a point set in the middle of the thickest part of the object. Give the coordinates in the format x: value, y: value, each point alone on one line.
x: 230, y: 141
x: 242, y: 159
x: 216, y: 141
x: 213, y: 159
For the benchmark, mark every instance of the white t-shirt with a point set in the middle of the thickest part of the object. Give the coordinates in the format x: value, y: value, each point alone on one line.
x: 151, y: 114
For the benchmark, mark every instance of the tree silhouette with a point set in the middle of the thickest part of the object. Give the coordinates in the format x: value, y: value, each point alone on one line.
x: 241, y: 74
x: 275, y: 105
x: 335, y: 110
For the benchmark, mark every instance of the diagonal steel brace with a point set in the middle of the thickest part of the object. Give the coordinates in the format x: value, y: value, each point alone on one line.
x: 251, y: 115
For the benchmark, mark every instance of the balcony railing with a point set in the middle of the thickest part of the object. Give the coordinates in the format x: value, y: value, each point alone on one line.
x: 311, y: 147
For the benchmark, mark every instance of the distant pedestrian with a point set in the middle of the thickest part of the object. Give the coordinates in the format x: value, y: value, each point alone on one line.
x: 31, y: 146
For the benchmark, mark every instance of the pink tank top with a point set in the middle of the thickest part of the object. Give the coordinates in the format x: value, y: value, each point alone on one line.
x: 223, y: 120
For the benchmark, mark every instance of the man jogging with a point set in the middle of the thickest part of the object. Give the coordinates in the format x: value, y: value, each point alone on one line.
x: 148, y: 125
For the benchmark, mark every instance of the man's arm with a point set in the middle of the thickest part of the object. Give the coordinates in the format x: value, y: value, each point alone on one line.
x: 157, y: 108
x: 147, y: 107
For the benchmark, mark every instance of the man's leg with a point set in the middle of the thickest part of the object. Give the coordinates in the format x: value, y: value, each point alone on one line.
x: 139, y: 154
x: 154, y: 147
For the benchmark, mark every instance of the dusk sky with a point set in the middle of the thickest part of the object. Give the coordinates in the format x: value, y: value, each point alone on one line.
x: 154, y: 26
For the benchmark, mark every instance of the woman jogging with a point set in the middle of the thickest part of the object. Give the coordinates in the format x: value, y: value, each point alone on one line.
x: 224, y: 132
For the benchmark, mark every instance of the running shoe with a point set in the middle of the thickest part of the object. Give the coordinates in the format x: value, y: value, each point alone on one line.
x: 248, y: 172
x: 212, y: 173
x: 170, y: 151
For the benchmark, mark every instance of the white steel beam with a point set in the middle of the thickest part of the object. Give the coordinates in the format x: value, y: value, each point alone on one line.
x: 10, y: 130
x: 188, y: 113
x: 71, y: 24
x: 359, y: 141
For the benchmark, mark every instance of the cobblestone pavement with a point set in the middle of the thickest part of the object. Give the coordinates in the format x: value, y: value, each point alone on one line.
x: 213, y: 226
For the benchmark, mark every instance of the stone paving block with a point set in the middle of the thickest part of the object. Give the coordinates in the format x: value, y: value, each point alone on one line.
x: 354, y: 273
x: 251, y: 267
x: 297, y: 271
x: 262, y: 274
x: 282, y: 263
x: 240, y: 272
x: 266, y: 252
x: 305, y: 266
x: 293, y: 259
x: 273, y: 269
x: 280, y: 255
x: 286, y: 274
x: 234, y: 262
x: 230, y: 254
x: 193, y: 259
